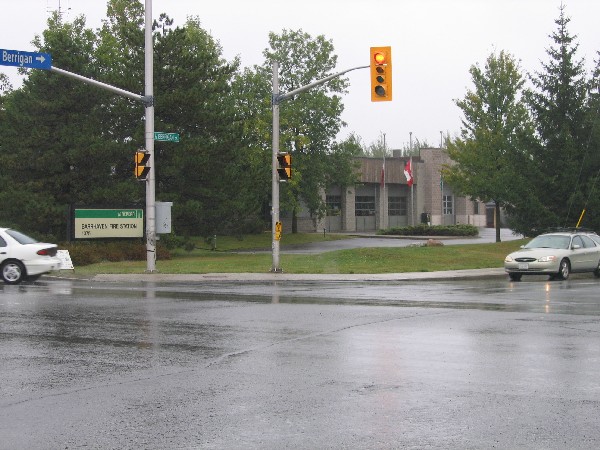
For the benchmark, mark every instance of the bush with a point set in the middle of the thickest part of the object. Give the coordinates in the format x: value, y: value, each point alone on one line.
x: 432, y: 230
x: 86, y: 252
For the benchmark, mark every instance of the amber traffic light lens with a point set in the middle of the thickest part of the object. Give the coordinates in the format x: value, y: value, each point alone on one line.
x: 379, y: 58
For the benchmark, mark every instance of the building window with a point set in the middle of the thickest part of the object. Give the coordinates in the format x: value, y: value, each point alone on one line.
x: 475, y: 207
x: 333, y: 204
x: 448, y: 204
x: 365, y: 205
x: 397, y: 206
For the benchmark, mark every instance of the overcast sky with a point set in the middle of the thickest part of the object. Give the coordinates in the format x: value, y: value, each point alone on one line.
x: 434, y: 42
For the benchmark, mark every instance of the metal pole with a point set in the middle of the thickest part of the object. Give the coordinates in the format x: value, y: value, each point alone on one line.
x: 412, y: 199
x: 150, y: 181
x: 274, y: 177
x: 412, y: 193
x: 383, y: 196
x: 99, y: 84
x: 276, y: 99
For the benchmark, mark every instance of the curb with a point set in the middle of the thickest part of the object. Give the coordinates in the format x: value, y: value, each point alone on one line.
x: 273, y: 277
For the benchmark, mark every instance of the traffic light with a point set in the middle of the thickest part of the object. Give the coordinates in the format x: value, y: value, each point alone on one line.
x: 141, y: 159
x: 381, y: 74
x: 285, y: 166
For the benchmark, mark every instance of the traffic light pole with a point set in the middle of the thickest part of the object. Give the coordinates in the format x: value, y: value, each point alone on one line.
x: 275, y: 267
x: 276, y: 100
x: 148, y: 101
x: 151, y: 179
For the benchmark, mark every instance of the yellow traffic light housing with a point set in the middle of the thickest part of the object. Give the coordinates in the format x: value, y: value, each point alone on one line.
x: 141, y: 169
x: 285, y: 166
x: 381, y: 74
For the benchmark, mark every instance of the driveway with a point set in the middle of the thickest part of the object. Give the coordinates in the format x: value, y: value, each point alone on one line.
x: 486, y: 235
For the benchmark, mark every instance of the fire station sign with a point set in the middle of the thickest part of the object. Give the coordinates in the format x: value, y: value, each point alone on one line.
x: 109, y: 223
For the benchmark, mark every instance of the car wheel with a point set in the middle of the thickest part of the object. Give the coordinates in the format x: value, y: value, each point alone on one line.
x: 564, y: 269
x: 515, y: 276
x: 13, y: 272
x: 597, y: 271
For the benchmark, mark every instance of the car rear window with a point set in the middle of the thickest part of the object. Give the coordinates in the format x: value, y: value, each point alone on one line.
x: 20, y: 237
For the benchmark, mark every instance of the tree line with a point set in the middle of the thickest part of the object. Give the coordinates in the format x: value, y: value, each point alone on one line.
x: 533, y: 151
x: 531, y: 143
x: 63, y: 142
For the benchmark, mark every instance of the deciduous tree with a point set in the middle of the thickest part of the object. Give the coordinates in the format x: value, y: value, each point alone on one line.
x: 492, y: 153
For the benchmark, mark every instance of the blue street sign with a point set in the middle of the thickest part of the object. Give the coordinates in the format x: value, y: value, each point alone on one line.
x: 30, y: 60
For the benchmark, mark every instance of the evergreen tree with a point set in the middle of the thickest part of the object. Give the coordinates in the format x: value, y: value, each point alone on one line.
x: 204, y: 173
x: 53, y: 151
x: 558, y: 103
x: 591, y: 219
x: 66, y: 142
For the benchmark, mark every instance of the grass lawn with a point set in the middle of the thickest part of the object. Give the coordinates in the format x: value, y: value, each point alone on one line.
x: 226, y: 259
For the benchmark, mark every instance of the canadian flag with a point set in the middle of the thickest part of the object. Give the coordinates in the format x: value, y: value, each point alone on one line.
x: 408, y: 173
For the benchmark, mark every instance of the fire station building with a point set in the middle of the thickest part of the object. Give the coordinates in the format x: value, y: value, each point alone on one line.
x: 383, y: 198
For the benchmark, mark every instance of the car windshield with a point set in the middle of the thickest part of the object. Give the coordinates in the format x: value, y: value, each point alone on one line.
x: 20, y: 237
x: 550, y: 241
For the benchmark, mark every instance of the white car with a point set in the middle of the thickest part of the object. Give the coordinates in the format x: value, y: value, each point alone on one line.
x: 557, y: 255
x: 22, y: 257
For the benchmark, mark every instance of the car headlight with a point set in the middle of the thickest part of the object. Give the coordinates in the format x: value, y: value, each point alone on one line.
x: 549, y: 258
x: 508, y: 259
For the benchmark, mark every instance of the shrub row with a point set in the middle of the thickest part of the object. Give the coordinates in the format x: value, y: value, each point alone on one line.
x: 84, y: 253
x: 432, y: 230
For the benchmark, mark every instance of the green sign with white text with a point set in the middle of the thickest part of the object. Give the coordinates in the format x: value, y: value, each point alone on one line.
x: 166, y: 137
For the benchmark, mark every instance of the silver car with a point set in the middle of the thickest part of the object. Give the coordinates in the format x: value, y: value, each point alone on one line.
x: 557, y: 255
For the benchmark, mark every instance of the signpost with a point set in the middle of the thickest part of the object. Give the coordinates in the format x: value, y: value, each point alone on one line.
x: 29, y: 60
x: 166, y: 137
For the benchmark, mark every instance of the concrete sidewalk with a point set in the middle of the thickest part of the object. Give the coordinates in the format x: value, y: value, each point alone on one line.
x: 486, y: 235
x: 271, y: 277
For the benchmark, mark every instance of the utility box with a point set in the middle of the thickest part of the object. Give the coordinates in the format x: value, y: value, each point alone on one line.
x: 163, y: 217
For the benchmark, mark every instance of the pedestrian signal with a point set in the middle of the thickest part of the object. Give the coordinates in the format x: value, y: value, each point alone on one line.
x: 141, y: 169
x: 284, y: 168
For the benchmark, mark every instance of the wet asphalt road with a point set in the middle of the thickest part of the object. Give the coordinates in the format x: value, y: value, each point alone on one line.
x: 310, y: 365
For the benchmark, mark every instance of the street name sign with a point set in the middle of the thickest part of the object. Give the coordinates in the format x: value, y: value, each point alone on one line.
x: 167, y: 137
x: 30, y: 60
x: 109, y: 223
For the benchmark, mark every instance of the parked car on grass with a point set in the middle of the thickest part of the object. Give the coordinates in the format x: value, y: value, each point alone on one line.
x: 556, y: 254
x: 22, y: 257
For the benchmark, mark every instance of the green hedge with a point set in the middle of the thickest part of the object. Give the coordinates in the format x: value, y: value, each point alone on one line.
x: 432, y: 230
x: 85, y: 252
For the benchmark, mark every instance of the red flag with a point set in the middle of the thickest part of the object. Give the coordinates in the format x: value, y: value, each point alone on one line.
x: 408, y: 173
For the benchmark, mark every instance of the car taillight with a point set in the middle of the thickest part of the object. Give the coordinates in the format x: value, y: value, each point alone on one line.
x: 47, y: 252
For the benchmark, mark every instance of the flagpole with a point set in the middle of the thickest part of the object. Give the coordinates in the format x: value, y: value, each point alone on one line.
x: 412, y: 195
x: 412, y: 206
